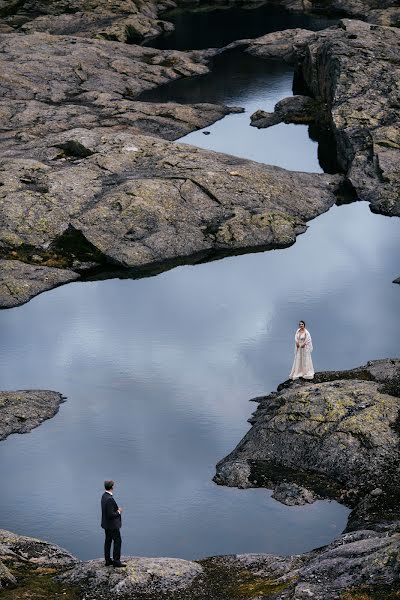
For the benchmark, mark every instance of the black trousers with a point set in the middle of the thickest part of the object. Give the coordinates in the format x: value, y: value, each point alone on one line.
x: 112, y: 535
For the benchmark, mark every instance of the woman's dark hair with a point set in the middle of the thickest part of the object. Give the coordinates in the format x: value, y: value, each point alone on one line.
x: 304, y: 323
x: 108, y: 485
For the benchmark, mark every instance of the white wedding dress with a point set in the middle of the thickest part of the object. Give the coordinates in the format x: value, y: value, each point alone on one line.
x: 302, y: 364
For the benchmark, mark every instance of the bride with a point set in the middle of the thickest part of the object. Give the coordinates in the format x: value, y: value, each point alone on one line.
x: 302, y: 364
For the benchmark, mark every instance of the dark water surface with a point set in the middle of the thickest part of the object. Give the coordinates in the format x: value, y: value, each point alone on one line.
x: 239, y: 79
x: 215, y: 28
x: 158, y: 373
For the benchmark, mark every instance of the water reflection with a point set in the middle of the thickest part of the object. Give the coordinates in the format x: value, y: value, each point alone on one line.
x: 216, y: 28
x: 158, y: 373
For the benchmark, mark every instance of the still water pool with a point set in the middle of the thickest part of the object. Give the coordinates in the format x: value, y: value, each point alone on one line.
x: 239, y: 79
x: 158, y: 374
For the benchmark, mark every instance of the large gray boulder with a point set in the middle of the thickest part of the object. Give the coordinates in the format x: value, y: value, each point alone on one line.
x: 336, y: 435
x: 97, y: 197
x: 141, y: 577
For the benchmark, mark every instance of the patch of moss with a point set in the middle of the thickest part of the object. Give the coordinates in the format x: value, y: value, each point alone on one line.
x: 39, y: 585
x: 372, y: 593
x: 228, y: 582
x: 250, y: 586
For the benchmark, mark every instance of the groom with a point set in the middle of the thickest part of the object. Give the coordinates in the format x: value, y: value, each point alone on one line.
x: 111, y: 523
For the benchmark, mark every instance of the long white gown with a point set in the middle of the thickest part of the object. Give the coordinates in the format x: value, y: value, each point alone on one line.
x: 302, y: 364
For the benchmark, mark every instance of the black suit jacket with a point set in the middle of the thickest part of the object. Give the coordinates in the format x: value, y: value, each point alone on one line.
x: 110, y: 517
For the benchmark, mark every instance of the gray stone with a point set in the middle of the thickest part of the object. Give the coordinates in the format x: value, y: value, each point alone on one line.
x: 137, y: 201
x: 147, y: 576
x: 295, y: 109
x: 342, y: 430
x: 262, y: 119
x: 6, y: 577
x: 19, y: 281
x: 338, y: 64
x: 20, y: 551
x: 23, y: 410
x: 339, y: 434
x: 292, y: 494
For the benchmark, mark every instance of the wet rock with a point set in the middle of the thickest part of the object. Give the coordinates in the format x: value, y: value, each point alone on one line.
x: 146, y: 576
x: 295, y: 109
x: 19, y: 281
x: 292, y: 494
x: 23, y: 410
x: 262, y: 119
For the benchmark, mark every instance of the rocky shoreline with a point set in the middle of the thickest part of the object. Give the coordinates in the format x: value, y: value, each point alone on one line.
x: 133, y: 21
x: 335, y: 437
x: 80, y: 151
x: 23, y: 410
x: 336, y: 66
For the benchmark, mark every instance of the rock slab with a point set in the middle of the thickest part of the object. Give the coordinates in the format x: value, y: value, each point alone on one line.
x: 23, y: 410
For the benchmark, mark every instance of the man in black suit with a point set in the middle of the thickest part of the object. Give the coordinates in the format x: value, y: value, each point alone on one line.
x: 111, y: 523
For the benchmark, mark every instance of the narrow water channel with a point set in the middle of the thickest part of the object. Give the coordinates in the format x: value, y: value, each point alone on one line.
x: 158, y: 374
x: 239, y: 79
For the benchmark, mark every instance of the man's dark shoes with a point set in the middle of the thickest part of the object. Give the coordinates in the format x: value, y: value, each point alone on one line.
x: 118, y: 563
x: 109, y: 563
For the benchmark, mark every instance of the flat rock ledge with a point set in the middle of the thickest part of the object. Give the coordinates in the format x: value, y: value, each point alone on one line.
x: 23, y: 410
x: 92, y: 186
x: 91, y: 183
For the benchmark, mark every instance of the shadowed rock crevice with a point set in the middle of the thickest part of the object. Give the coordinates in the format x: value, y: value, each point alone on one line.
x: 137, y: 202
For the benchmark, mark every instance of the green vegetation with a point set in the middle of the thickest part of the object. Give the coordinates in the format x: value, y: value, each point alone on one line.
x: 39, y: 584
